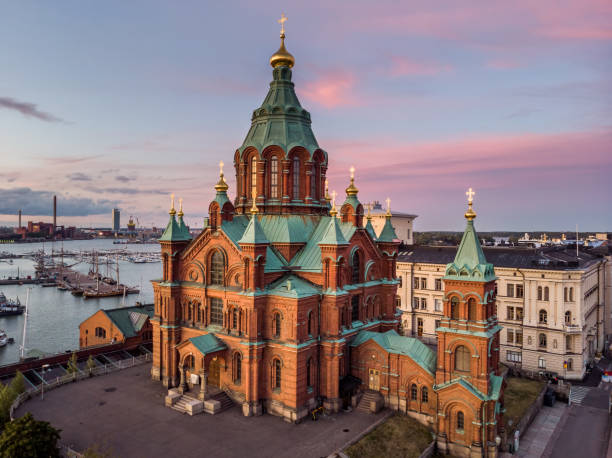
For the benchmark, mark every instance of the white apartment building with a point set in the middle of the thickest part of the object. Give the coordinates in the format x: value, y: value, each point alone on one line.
x: 555, y: 309
x: 401, y: 222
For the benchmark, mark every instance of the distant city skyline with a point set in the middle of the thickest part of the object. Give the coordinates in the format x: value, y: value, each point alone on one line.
x: 119, y: 105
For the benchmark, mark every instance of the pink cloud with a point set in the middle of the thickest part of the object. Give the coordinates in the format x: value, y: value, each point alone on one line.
x: 331, y: 90
x: 579, y: 33
x: 402, y: 66
x: 503, y: 64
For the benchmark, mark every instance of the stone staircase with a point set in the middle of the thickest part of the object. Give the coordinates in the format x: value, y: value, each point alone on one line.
x: 368, y: 399
x: 223, y: 398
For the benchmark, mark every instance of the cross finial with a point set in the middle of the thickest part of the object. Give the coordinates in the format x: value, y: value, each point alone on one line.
x: 221, y: 168
x: 254, y: 206
x: 180, y: 204
x: 352, y: 170
x: 388, y: 206
x: 281, y: 21
x: 470, y: 195
x: 172, y: 210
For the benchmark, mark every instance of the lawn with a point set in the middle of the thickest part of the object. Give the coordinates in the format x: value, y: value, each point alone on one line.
x: 519, y: 395
x: 399, y: 436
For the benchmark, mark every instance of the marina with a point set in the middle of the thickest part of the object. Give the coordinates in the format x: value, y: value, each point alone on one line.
x: 54, y: 313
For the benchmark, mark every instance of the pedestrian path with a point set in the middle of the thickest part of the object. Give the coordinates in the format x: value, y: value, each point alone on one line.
x: 577, y: 394
x: 534, y: 441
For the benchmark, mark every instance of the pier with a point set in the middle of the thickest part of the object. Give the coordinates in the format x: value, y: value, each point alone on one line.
x: 92, y: 285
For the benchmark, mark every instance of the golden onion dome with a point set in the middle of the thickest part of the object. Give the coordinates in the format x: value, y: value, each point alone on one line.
x: 221, y: 184
x: 282, y: 57
x: 470, y: 214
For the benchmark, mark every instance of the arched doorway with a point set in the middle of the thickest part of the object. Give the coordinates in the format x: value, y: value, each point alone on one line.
x: 214, y: 372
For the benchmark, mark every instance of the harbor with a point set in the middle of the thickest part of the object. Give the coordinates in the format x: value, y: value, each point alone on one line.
x: 54, y: 314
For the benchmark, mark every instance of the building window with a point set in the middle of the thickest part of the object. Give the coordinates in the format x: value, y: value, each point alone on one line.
x: 100, y: 332
x: 539, y: 293
x: 235, y: 318
x: 518, y: 337
x: 398, y: 302
x: 543, y: 317
x: 276, y: 377
x: 565, y: 296
x: 541, y: 363
x: 309, y: 323
x: 554, y: 343
x: 462, y: 359
x: 309, y: 372
x: 510, y: 338
x: 423, y: 303
x: 519, y: 313
x: 546, y: 295
x: 510, y: 313
x: 571, y: 294
x: 542, y: 340
x: 253, y: 176
x: 296, y: 178
x: 415, y: 302
x: 217, y: 267
x: 455, y: 308
x: 514, y: 356
x: 416, y: 283
x: 510, y: 290
x: 413, y: 392
x: 313, y: 182
x: 424, y: 395
x: 216, y: 311
x: 355, y: 268
x: 570, y: 363
x: 568, y: 343
x: 419, y: 327
x: 519, y: 291
x: 568, y: 317
x: 423, y: 282
x: 355, y: 308
x: 437, y: 305
x: 437, y: 324
x: 237, y: 368
x: 274, y: 177
x: 460, y: 421
x: 276, y: 331
x: 472, y: 309
x: 438, y: 284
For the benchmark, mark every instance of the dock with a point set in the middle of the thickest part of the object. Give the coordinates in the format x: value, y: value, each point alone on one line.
x: 87, y: 285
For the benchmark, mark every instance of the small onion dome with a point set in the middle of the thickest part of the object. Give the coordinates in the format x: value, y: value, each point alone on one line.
x: 352, y: 189
x: 470, y: 214
x: 221, y: 185
x: 282, y: 57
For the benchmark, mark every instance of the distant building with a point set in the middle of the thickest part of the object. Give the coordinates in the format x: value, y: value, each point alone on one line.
x: 116, y: 220
x: 117, y: 325
x: 401, y: 222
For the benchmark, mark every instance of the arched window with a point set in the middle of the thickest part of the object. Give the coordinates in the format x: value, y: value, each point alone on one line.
x: 296, y: 178
x: 462, y: 359
x: 217, y: 268
x: 571, y: 294
x: 355, y: 266
x: 101, y: 332
x: 313, y: 182
x: 460, y: 421
x: 216, y: 311
x: 274, y: 177
x: 413, y: 392
x: 277, y: 325
x: 419, y: 327
x: 472, y: 309
x: 539, y: 293
x: 455, y: 308
x: 543, y: 317
x: 568, y: 317
x: 237, y: 368
x: 542, y: 340
x: 309, y: 323
x: 276, y: 379
x: 570, y: 363
x: 424, y: 394
x: 253, y: 175
x: 189, y: 362
x: 565, y: 297
x: 355, y: 300
x: 309, y: 372
x: 546, y: 293
x: 235, y: 318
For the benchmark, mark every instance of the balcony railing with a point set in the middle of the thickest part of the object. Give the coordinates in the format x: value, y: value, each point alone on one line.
x: 573, y: 328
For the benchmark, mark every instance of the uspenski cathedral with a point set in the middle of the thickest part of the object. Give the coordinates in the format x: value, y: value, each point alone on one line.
x: 285, y: 303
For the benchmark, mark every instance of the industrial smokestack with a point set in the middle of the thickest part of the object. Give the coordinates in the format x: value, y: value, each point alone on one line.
x: 54, y: 214
x: 20, y: 219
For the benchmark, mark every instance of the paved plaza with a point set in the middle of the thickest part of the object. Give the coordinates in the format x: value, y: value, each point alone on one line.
x: 124, y: 411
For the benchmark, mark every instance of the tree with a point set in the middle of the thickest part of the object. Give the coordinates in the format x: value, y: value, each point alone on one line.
x: 27, y: 437
x: 8, y: 394
x: 18, y: 384
x: 91, y: 365
x: 72, y: 367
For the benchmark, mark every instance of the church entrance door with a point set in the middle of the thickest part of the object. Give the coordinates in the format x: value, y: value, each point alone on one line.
x: 374, y: 380
x: 213, y: 372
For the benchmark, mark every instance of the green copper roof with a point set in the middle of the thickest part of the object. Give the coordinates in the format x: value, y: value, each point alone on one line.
x: 207, y: 344
x: 254, y: 233
x: 470, y: 262
x: 174, y: 232
x: 130, y: 320
x: 388, y: 232
x: 183, y: 227
x: 221, y: 198
x: 392, y: 342
x: 495, y: 384
x: 292, y: 286
x: 281, y: 120
x: 370, y: 229
x: 353, y: 201
x: 333, y: 235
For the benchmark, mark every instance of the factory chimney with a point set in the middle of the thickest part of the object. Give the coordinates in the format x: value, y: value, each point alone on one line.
x: 54, y: 214
x: 19, y: 218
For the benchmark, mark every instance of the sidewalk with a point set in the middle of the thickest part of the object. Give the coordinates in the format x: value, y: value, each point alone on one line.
x: 534, y: 442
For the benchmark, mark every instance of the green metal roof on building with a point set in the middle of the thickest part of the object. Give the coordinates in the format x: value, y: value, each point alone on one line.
x: 254, y: 232
x: 470, y: 263
x: 292, y: 286
x: 221, y: 198
x: 495, y: 384
x: 333, y: 235
x: 281, y: 120
x: 208, y: 343
x: 388, y: 232
x: 353, y: 201
x: 130, y: 320
x: 392, y: 342
x: 174, y: 232
x: 370, y: 229
x: 183, y: 227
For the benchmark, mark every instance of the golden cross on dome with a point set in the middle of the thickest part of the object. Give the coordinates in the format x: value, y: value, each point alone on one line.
x: 172, y: 210
x: 180, y: 204
x: 281, y: 21
x: 470, y: 195
x: 388, y: 205
x: 352, y: 170
x: 221, y: 168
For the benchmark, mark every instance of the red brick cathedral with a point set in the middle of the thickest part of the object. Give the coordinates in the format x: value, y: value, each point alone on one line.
x: 285, y: 303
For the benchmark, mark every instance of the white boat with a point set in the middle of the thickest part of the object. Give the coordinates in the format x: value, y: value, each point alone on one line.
x: 3, y: 338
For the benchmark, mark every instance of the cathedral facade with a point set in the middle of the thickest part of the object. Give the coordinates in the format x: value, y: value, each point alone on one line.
x: 283, y: 298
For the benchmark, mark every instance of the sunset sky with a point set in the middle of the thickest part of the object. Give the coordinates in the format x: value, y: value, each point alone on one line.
x: 120, y: 103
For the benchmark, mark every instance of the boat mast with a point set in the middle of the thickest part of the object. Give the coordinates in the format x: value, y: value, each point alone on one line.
x: 25, y: 322
x: 117, y: 263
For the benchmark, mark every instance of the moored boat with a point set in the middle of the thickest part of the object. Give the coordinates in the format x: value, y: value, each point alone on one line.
x: 10, y: 307
x: 3, y: 338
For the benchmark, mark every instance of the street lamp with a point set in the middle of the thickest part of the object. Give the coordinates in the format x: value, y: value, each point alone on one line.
x: 45, y: 367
